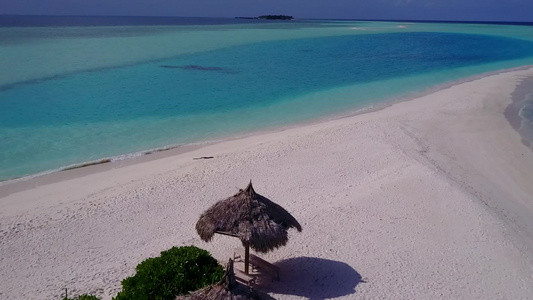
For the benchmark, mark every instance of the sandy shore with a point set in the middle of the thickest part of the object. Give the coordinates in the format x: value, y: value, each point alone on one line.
x: 426, y: 199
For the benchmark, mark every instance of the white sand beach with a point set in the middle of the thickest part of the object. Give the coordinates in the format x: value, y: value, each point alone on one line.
x: 430, y: 198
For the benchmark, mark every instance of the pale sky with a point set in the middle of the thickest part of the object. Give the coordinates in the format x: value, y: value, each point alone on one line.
x: 455, y: 10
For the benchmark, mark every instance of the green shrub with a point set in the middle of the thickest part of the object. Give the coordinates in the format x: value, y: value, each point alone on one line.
x: 83, y: 297
x: 176, y: 272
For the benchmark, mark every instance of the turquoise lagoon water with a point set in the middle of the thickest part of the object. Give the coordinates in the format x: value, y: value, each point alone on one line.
x: 73, y: 94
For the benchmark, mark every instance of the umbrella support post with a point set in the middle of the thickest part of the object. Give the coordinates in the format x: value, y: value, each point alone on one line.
x: 246, y: 259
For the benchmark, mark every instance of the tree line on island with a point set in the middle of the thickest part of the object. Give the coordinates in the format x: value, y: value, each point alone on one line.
x: 268, y: 17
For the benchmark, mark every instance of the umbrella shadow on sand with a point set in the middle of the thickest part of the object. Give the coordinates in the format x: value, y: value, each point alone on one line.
x: 314, y: 278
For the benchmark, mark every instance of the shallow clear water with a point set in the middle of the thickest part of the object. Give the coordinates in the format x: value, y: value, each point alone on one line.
x: 74, y: 94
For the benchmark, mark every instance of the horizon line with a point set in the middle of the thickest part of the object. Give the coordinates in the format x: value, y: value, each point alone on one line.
x: 295, y: 18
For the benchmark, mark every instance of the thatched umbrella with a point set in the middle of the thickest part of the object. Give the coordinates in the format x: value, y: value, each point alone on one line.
x: 258, y: 222
x: 227, y: 288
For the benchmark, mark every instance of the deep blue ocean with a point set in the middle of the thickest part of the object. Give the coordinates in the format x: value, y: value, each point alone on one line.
x: 80, y: 89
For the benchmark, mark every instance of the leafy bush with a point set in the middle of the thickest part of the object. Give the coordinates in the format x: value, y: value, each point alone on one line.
x: 83, y: 297
x: 176, y: 272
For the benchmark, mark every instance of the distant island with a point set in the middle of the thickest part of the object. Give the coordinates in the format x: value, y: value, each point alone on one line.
x: 268, y: 17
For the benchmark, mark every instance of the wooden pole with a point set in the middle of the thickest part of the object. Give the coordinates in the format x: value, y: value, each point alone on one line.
x: 230, y: 279
x: 246, y: 259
